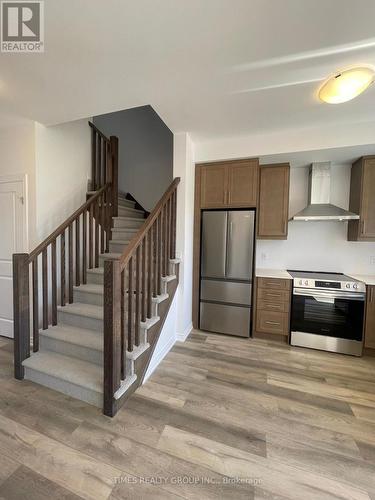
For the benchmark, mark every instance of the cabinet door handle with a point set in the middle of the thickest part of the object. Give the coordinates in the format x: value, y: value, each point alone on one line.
x: 273, y: 323
x: 229, y: 197
x: 273, y: 295
x: 363, y: 227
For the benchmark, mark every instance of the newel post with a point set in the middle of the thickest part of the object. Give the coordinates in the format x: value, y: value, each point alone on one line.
x: 21, y: 312
x: 114, y: 174
x: 112, y: 334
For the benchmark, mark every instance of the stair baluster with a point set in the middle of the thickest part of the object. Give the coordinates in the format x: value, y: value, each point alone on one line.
x: 145, y: 260
x: 70, y: 272
x: 134, y: 287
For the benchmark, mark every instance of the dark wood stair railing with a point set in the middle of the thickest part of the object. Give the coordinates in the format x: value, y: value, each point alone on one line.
x: 130, y: 283
x: 103, y: 150
x: 62, y: 259
x: 74, y: 256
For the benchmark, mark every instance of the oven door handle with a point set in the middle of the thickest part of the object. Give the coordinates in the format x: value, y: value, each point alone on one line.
x: 328, y: 296
x: 326, y: 300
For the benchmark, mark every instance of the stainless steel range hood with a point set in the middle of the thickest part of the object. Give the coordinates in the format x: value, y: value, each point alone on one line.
x: 319, y: 207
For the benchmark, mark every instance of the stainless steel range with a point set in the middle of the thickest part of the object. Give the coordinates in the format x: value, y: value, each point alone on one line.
x: 327, y: 312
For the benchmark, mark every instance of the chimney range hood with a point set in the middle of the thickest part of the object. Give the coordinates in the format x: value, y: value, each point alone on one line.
x: 319, y: 207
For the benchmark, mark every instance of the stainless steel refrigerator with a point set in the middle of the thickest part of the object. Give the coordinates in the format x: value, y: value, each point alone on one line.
x: 226, y: 271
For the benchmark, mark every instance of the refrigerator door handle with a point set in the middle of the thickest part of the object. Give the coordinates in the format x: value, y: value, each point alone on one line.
x: 229, y: 239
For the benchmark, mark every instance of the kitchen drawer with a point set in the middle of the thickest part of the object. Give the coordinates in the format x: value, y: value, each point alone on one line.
x: 273, y: 306
x: 272, y: 322
x: 275, y: 296
x: 274, y: 283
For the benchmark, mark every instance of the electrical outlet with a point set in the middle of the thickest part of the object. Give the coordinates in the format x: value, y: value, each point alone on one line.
x: 372, y: 260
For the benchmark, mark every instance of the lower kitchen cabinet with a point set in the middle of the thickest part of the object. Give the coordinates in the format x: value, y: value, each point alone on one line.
x: 273, y: 300
x: 272, y: 322
x: 370, y: 319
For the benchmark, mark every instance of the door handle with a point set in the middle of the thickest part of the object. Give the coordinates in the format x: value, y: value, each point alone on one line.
x: 273, y: 323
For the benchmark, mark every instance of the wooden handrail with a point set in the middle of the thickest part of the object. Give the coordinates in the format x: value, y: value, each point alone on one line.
x: 137, y: 239
x: 99, y: 132
x: 57, y: 232
x: 45, y: 278
x: 131, y: 285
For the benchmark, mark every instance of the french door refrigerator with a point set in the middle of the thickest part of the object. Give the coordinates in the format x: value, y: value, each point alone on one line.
x: 226, y: 271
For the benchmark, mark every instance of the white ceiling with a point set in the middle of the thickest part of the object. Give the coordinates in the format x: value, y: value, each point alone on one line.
x: 214, y: 68
x: 338, y: 156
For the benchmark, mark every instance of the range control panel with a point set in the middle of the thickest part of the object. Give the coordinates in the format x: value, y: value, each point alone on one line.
x: 349, y: 286
x: 327, y: 284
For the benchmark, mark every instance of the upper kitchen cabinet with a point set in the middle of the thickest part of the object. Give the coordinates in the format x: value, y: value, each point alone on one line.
x: 273, y: 202
x: 243, y: 183
x: 362, y: 200
x: 214, y: 186
x: 232, y: 184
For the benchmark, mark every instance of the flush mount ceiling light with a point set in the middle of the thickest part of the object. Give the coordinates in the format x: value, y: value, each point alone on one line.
x: 346, y: 85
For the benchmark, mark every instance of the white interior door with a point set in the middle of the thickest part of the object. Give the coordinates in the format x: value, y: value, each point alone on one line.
x: 12, y: 240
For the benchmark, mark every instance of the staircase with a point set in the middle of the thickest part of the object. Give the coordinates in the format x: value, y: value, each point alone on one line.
x: 74, y: 348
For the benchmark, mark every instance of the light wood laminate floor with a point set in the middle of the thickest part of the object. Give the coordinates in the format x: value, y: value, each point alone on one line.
x: 220, y: 418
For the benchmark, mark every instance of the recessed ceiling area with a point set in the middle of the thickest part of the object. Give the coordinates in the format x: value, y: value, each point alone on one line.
x: 214, y: 68
x: 340, y: 156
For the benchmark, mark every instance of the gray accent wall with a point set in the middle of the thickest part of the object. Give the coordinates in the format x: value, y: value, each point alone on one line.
x: 145, y: 152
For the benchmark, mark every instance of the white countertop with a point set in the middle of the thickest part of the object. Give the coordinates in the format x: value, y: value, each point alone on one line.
x: 283, y: 274
x: 365, y: 278
x: 272, y: 273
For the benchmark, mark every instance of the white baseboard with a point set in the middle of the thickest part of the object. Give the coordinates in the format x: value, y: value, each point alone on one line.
x: 181, y: 337
x: 6, y: 328
x: 156, y: 360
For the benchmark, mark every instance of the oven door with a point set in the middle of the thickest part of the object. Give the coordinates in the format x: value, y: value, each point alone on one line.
x: 328, y: 313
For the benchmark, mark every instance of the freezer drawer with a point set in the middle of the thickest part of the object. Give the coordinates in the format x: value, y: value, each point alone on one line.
x: 226, y: 291
x: 232, y: 320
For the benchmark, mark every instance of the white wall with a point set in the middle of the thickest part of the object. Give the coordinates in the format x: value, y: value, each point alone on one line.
x: 145, y: 152
x: 179, y: 321
x: 63, y: 166
x: 285, y: 141
x: 318, y: 245
x: 184, y: 167
x: 17, y: 148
